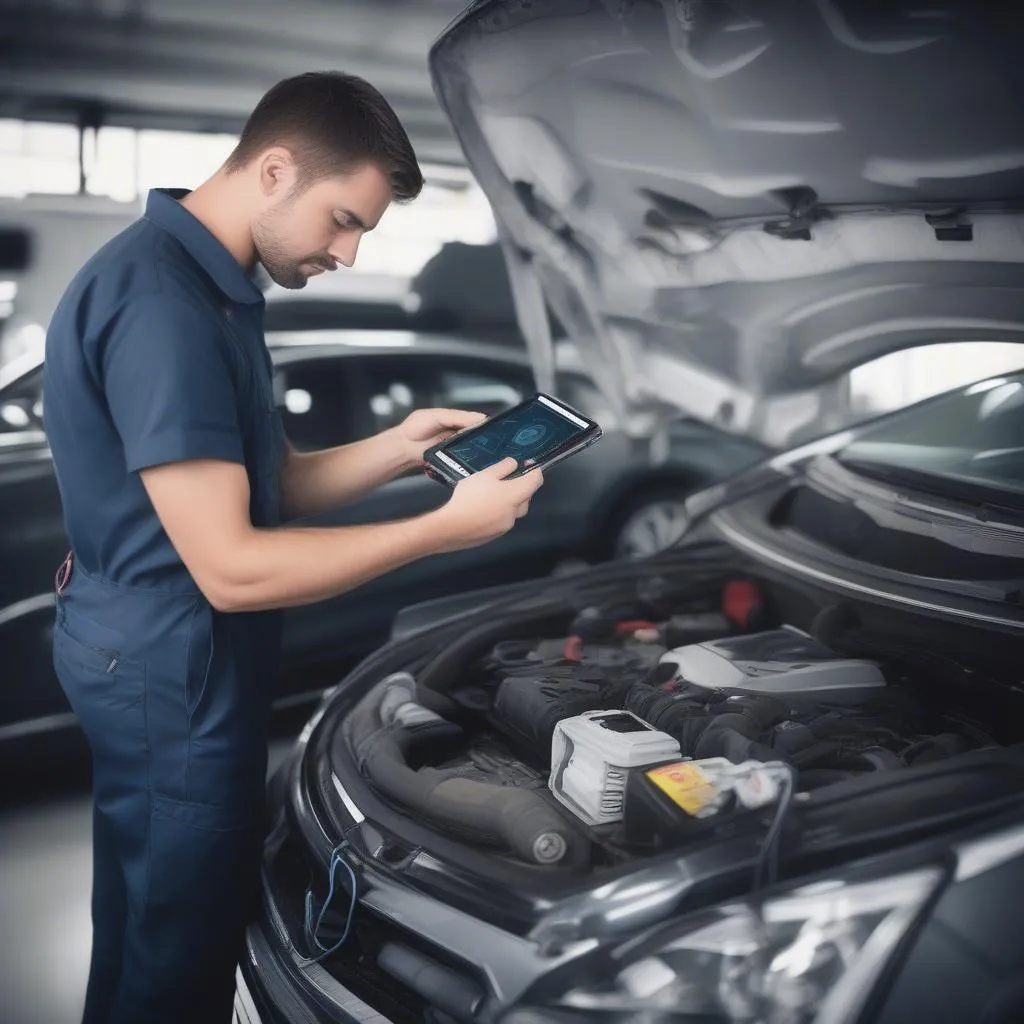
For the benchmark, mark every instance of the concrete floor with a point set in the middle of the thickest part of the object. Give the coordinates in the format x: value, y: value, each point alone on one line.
x: 45, y: 877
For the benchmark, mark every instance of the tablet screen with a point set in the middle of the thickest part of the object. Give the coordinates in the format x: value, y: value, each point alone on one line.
x: 527, y: 432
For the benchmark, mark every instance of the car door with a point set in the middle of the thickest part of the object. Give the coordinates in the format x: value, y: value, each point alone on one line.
x: 384, y: 388
x: 32, y: 545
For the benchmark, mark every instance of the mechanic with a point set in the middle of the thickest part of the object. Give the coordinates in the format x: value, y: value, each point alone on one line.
x: 175, y: 478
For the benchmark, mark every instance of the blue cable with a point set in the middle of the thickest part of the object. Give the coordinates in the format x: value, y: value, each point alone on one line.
x: 312, y: 929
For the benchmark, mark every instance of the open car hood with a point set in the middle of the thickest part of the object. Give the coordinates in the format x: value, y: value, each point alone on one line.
x: 735, y: 203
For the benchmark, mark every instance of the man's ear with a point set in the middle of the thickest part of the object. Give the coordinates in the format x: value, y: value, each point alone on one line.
x: 277, y: 172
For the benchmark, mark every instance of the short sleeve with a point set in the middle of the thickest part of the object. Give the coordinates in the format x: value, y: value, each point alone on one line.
x: 167, y: 376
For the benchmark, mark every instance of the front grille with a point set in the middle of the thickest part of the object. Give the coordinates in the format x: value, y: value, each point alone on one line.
x: 288, y: 874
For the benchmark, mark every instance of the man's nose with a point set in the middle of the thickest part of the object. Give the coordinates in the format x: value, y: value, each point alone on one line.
x: 344, y: 249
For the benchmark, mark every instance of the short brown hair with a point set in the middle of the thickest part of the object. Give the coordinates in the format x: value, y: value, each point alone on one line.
x: 332, y: 123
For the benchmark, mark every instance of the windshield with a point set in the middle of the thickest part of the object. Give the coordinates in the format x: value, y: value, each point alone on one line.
x: 968, y: 439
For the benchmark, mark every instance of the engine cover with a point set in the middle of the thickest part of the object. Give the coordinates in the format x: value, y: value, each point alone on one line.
x: 779, y: 661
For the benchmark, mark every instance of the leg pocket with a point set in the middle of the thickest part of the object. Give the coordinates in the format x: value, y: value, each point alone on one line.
x: 107, y: 692
x: 98, y: 677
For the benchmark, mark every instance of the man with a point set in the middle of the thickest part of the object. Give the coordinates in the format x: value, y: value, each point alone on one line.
x: 175, y: 478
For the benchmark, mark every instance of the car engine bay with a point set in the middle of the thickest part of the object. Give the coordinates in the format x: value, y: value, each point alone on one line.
x: 590, y: 734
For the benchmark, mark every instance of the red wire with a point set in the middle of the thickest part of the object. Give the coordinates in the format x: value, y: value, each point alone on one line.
x: 573, y: 649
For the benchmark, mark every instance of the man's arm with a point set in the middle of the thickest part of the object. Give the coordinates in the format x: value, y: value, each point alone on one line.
x: 312, y: 482
x: 204, y: 507
x: 169, y: 381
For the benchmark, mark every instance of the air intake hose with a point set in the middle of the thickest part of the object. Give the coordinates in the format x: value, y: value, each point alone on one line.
x: 518, y: 819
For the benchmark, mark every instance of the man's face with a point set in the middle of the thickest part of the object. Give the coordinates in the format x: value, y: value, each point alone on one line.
x: 307, y: 232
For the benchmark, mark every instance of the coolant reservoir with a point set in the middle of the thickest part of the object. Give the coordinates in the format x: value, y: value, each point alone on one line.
x: 591, y: 758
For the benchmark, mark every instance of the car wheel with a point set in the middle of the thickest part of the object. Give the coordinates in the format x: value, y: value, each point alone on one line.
x: 649, y: 525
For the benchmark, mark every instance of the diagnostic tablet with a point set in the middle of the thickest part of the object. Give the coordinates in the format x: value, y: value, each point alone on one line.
x: 536, y: 433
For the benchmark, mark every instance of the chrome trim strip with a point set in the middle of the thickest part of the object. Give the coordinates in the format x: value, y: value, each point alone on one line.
x: 767, y: 554
x: 981, y: 855
x: 245, y: 1011
x: 26, y: 606
x: 356, y: 814
x: 34, y: 726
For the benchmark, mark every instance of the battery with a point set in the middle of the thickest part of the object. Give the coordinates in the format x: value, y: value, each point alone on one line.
x: 670, y: 803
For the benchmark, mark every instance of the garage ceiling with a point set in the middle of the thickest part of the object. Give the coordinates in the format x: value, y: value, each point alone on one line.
x: 203, y: 64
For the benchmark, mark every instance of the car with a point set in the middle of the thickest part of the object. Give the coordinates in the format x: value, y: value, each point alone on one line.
x: 775, y: 772
x: 333, y: 387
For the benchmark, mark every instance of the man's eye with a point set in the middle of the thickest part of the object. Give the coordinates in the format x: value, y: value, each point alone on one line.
x: 344, y: 223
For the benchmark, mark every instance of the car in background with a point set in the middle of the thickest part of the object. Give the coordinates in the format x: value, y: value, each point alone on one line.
x: 332, y: 388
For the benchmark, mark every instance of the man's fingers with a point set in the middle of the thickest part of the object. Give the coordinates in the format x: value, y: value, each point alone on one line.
x: 533, y: 480
x: 503, y: 468
x: 522, y: 510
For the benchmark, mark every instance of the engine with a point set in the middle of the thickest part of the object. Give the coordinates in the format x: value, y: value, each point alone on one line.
x: 636, y: 726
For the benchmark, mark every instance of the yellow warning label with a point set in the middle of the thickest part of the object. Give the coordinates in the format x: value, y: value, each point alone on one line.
x: 684, y: 784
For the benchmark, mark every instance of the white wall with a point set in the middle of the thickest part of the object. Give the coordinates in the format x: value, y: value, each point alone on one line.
x: 66, y: 231
x: 902, y: 378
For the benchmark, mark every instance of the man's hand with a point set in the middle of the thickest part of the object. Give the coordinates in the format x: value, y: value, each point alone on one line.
x: 486, y: 505
x: 426, y: 427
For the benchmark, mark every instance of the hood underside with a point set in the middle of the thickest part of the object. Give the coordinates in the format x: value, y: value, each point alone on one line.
x: 735, y: 203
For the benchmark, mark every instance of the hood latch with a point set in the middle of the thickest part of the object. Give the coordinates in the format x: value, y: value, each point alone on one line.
x: 951, y: 226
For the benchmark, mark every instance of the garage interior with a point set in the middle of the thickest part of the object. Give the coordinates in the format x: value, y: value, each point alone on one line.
x: 101, y: 100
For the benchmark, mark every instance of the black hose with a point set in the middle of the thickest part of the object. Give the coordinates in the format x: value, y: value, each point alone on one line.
x: 518, y: 819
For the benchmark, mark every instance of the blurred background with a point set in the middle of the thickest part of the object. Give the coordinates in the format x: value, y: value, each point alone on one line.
x: 101, y: 100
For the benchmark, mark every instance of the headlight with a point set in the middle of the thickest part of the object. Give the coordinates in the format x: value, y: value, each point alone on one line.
x: 809, y: 955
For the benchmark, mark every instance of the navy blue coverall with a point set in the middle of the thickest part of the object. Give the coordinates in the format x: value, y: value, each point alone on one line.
x: 156, y: 354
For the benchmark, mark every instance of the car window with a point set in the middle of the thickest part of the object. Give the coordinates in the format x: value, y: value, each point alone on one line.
x: 314, y: 398
x: 397, y: 384
x: 393, y: 385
